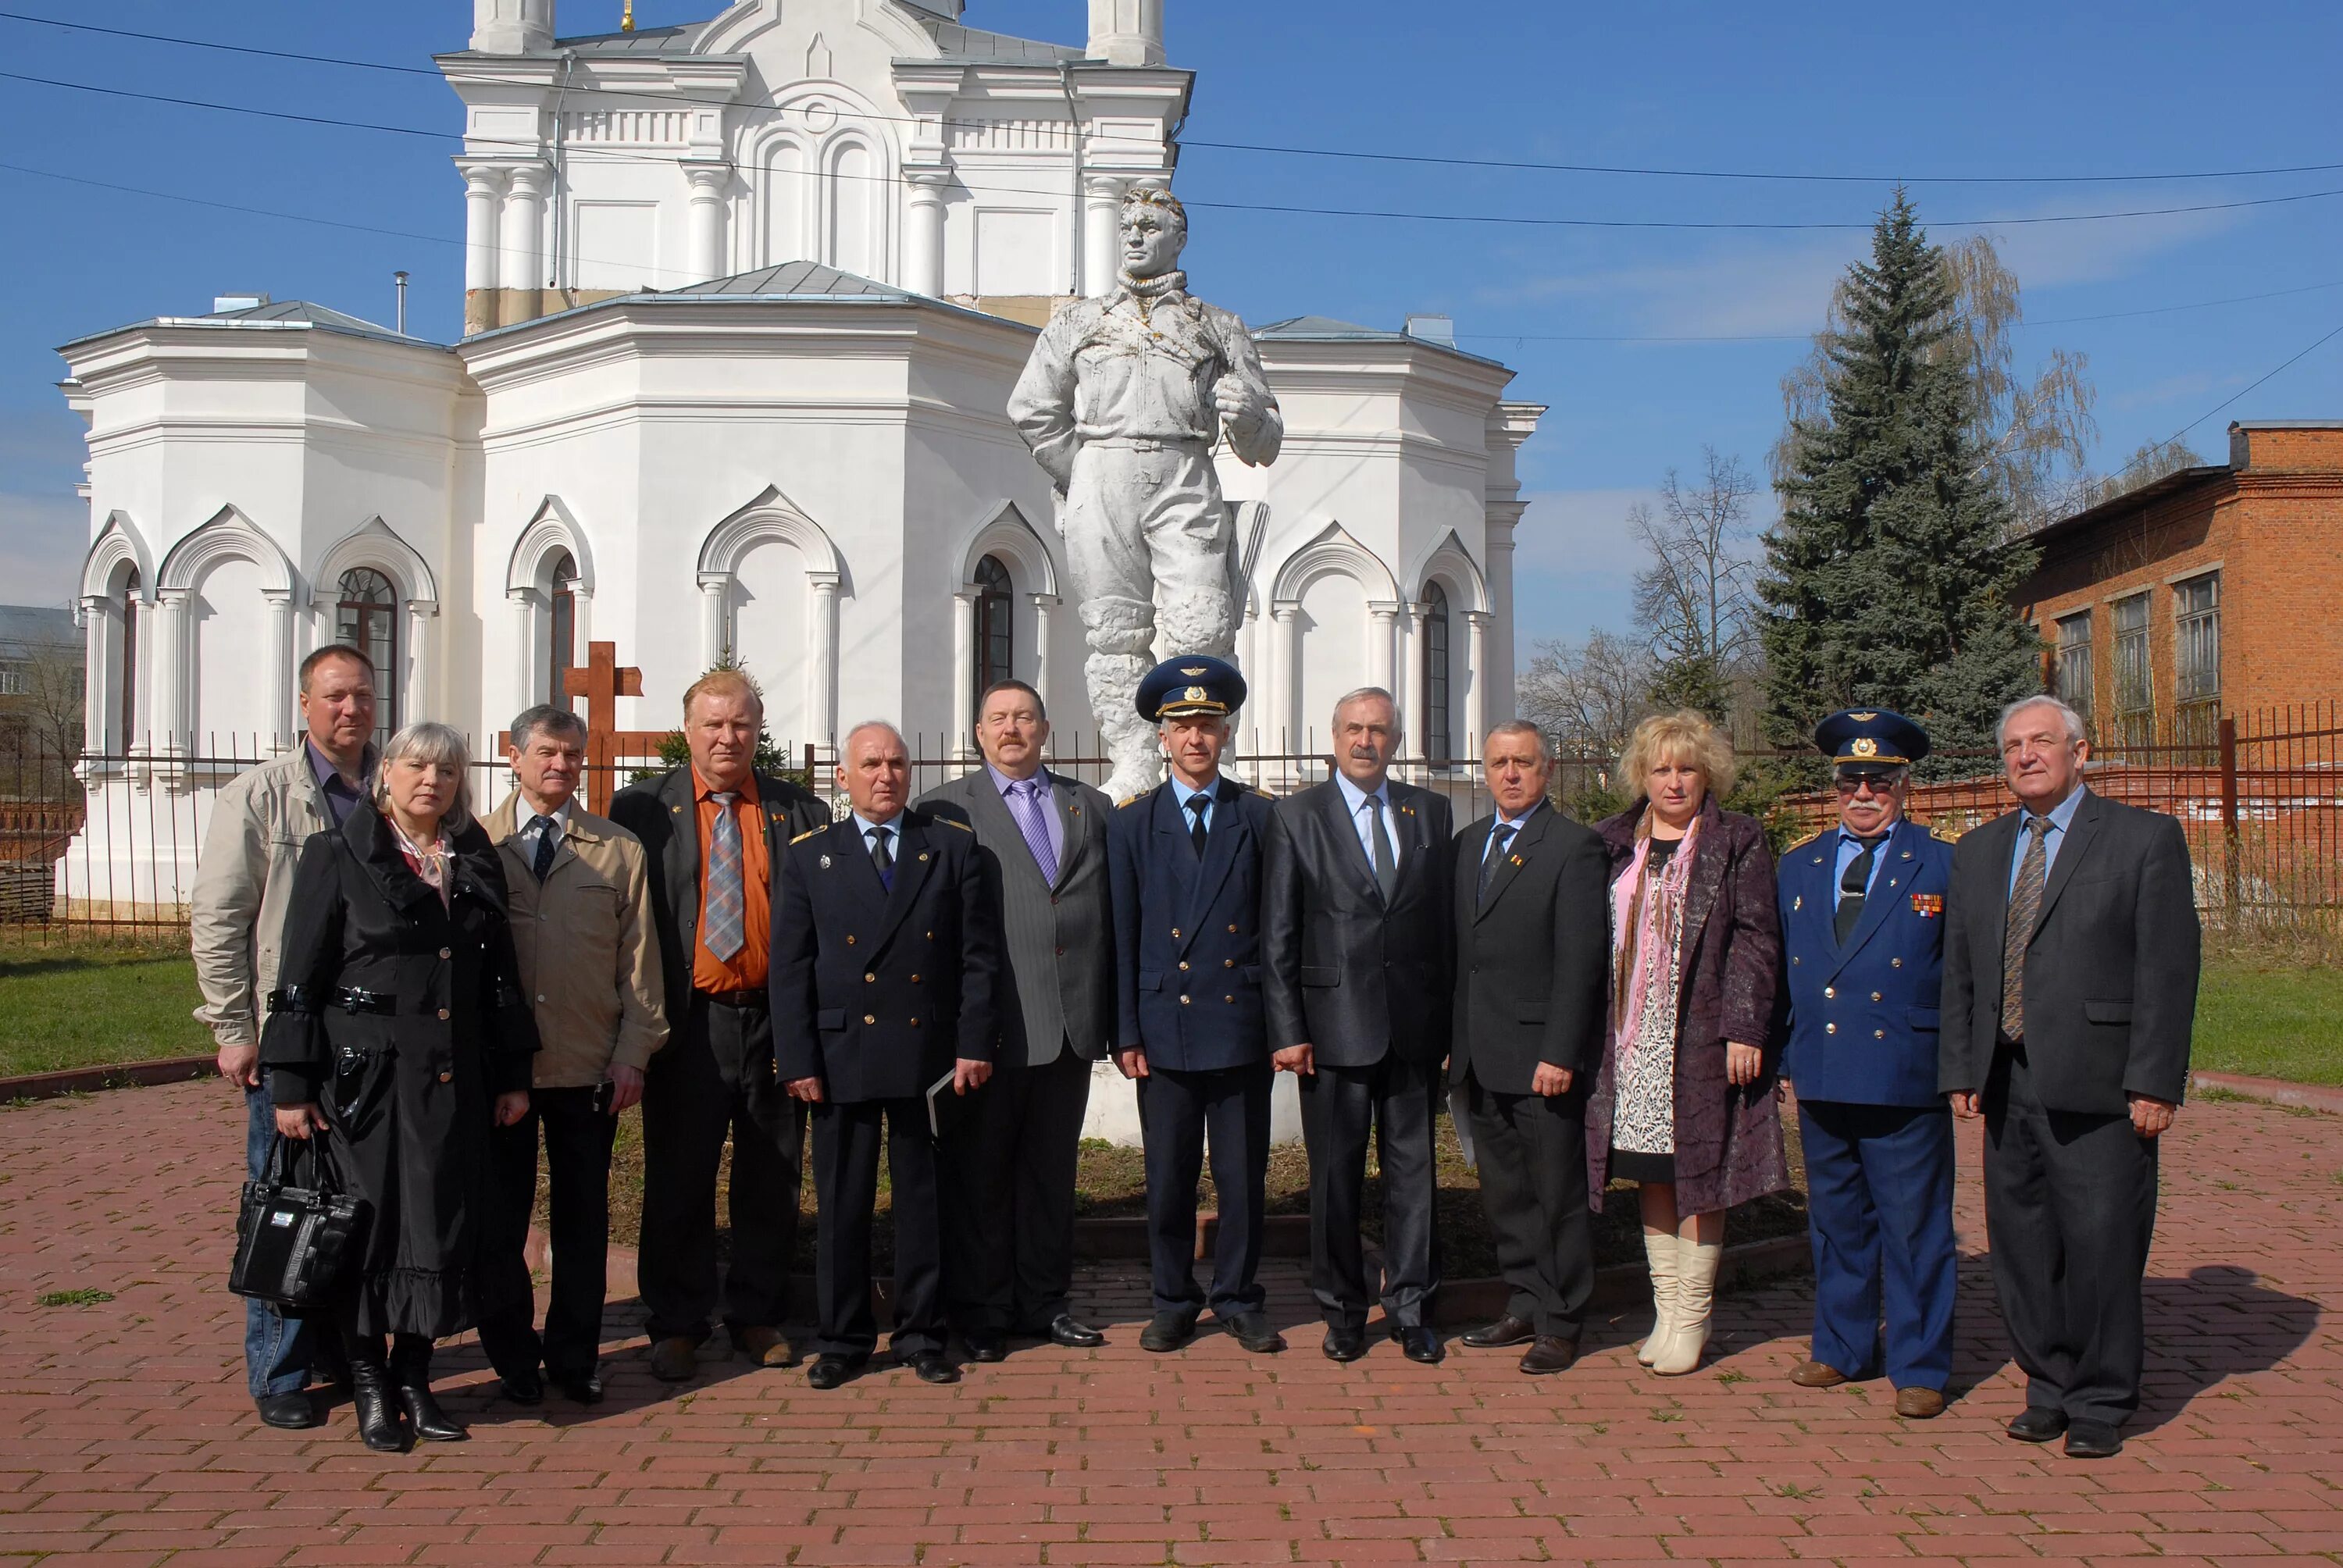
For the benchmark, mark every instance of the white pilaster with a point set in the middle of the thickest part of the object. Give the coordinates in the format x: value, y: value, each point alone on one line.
x: 1476, y: 679
x: 484, y: 190
x: 1383, y: 618
x: 705, y: 257
x: 1101, y: 247
x: 521, y: 232
x: 714, y: 590
x: 963, y: 735
x: 1499, y: 570
x: 282, y: 725
x: 1285, y: 708
x: 1417, y: 696
x: 420, y: 700
x: 167, y: 717
x: 527, y: 680
x: 923, y: 231
x: 821, y: 669
x: 1042, y: 603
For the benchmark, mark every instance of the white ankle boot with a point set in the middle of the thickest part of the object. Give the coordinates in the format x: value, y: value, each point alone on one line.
x: 1696, y: 1294
x: 1660, y: 1247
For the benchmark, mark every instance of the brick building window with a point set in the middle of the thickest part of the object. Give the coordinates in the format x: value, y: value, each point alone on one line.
x: 2134, y: 688
x: 15, y: 679
x: 2196, y: 659
x: 2072, y: 674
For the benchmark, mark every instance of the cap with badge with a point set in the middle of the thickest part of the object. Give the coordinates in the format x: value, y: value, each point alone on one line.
x: 1189, y: 684
x: 1871, y: 741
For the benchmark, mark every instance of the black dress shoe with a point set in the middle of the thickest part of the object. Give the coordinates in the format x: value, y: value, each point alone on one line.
x: 1420, y: 1343
x: 1344, y: 1344
x: 1550, y: 1354
x: 431, y: 1424
x: 934, y: 1366
x: 1067, y: 1330
x: 2093, y: 1440
x: 1252, y: 1330
x: 1505, y: 1331
x: 831, y: 1371
x: 2034, y: 1424
x: 584, y: 1389
x: 1168, y: 1331
x: 288, y: 1411
x: 987, y: 1345
x: 524, y: 1387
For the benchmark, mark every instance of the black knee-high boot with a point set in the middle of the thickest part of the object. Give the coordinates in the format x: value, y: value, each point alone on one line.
x: 411, y: 1368
x: 379, y: 1426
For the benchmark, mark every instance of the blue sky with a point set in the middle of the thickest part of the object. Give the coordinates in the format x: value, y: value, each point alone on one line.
x: 1890, y: 91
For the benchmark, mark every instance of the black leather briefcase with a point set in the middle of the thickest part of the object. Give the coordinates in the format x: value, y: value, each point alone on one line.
x: 299, y: 1233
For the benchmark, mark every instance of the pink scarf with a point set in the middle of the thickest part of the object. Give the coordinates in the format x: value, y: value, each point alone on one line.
x: 1643, y: 913
x: 428, y: 861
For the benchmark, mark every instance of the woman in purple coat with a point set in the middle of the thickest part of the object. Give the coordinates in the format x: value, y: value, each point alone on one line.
x: 1683, y: 1102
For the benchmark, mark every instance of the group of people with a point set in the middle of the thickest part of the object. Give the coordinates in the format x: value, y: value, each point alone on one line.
x: 427, y: 993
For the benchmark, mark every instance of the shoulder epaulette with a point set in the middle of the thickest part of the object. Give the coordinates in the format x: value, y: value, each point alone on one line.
x: 1802, y: 843
x: 1130, y: 800
x: 953, y: 822
x: 1943, y: 835
x: 809, y: 833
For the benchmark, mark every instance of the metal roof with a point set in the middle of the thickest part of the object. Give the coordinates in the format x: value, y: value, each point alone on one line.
x: 794, y: 280
x: 2171, y: 484
x: 652, y: 41
x: 25, y: 627
x: 974, y: 44
x: 1327, y: 330
x: 282, y: 315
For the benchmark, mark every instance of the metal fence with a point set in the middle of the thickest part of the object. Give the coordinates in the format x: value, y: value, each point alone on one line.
x: 112, y: 840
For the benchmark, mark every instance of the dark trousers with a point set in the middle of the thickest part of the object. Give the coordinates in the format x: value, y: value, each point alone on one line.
x: 578, y: 1137
x: 845, y: 1140
x: 1879, y: 1201
x: 2070, y: 1209
x: 1177, y: 1110
x: 1008, y: 1194
x: 714, y: 1077
x: 1531, y: 1151
x: 1341, y: 1106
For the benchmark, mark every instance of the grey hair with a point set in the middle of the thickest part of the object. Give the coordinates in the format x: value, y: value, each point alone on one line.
x: 856, y: 729
x: 1399, y: 720
x: 2073, y: 720
x: 1515, y: 727
x: 429, y: 741
x: 545, y: 716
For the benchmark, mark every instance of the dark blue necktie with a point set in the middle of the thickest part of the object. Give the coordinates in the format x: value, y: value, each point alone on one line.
x: 883, y: 858
x: 549, y: 843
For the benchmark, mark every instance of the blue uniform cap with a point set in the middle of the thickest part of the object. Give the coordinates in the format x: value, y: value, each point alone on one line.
x: 1869, y: 737
x: 1192, y: 683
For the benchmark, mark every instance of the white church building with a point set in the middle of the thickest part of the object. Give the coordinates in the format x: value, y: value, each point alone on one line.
x: 744, y: 302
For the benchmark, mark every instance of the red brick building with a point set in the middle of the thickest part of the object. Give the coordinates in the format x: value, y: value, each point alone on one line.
x: 2213, y: 590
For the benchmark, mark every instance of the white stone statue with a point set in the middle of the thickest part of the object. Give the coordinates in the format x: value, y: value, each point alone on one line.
x: 1121, y: 402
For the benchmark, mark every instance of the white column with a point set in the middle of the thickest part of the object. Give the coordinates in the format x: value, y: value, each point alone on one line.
x: 705, y: 256
x: 1383, y: 618
x: 1285, y: 708
x: 1418, y: 696
x: 822, y: 668
x: 421, y: 701
x: 1476, y: 678
x: 1042, y: 603
x: 98, y: 643
x: 714, y: 590
x: 483, y: 189
x: 522, y: 230
x: 581, y: 616
x: 279, y: 673
x: 963, y: 668
x: 167, y: 715
x: 1498, y: 569
x: 1101, y: 247
x: 923, y: 231
x: 528, y: 681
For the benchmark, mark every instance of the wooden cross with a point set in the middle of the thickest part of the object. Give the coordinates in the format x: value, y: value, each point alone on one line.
x: 601, y: 681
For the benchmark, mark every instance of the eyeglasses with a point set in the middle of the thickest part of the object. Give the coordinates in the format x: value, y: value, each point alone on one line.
x: 1856, y: 783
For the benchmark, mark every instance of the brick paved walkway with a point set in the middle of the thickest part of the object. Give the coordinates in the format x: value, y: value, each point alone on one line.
x: 126, y: 1437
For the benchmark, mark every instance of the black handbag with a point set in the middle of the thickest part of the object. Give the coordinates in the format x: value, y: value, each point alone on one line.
x: 296, y: 1244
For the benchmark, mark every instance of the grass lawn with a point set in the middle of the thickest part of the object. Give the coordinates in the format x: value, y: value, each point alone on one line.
x: 2270, y: 1021
x: 82, y: 1003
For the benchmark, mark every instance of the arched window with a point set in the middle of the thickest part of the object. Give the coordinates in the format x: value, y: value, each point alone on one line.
x: 366, y: 617
x: 1435, y: 673
x: 127, y: 662
x: 993, y: 643
x: 561, y: 627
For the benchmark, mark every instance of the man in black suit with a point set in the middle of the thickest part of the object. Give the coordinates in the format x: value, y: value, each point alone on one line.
x: 712, y: 832
x: 1009, y: 1167
x: 886, y: 962
x: 2071, y: 948
x: 1532, y: 950
x: 1356, y: 908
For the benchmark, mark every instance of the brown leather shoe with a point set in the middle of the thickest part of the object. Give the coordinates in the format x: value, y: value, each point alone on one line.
x: 1919, y: 1403
x: 676, y: 1359
x: 1551, y: 1354
x: 1820, y: 1374
x: 765, y: 1347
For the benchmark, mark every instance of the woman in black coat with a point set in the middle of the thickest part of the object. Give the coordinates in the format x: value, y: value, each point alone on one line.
x: 400, y: 1027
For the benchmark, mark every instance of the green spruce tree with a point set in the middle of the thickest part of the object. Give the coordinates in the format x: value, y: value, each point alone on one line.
x: 1888, y: 577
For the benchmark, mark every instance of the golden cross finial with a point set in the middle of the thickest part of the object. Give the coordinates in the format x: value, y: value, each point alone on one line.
x: 627, y: 17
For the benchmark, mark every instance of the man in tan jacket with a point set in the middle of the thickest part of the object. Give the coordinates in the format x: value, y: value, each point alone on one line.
x: 235, y: 919
x: 581, y: 904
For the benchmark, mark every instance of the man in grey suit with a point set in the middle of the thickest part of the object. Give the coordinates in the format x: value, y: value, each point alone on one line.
x: 1009, y: 1188
x: 2071, y: 948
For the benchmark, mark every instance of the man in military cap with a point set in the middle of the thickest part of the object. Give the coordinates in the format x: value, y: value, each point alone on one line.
x: 1862, y: 908
x: 1185, y: 864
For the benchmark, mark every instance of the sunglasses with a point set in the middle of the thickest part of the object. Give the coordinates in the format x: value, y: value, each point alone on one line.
x: 1855, y: 783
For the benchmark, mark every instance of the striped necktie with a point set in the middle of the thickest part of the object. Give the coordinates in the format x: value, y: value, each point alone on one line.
x: 2025, y: 909
x: 726, y: 930
x: 1025, y: 804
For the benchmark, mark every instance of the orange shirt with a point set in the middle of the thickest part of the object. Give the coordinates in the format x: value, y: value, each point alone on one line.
x: 746, y: 969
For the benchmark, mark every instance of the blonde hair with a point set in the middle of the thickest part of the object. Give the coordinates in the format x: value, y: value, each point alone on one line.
x: 429, y: 742
x: 726, y: 681
x: 1686, y: 738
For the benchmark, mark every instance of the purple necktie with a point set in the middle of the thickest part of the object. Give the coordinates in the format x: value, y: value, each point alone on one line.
x: 1025, y: 804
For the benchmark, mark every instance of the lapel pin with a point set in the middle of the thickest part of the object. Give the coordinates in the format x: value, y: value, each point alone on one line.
x: 1797, y: 903
x: 923, y: 855
x: 1516, y: 860
x: 825, y: 862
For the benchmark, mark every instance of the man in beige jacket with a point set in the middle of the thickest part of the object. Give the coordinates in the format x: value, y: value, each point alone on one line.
x: 580, y: 898
x: 235, y: 919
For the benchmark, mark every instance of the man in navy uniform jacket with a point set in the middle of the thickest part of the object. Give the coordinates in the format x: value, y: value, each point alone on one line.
x: 1185, y: 860
x: 886, y: 957
x: 1863, y: 907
